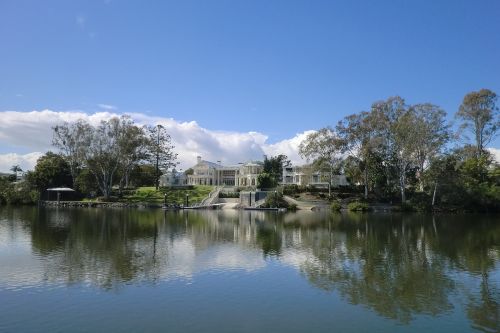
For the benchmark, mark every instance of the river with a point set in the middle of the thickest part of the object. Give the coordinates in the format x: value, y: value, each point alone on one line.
x: 131, y: 270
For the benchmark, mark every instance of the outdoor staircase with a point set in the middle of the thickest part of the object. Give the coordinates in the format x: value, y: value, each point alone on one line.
x: 212, y: 197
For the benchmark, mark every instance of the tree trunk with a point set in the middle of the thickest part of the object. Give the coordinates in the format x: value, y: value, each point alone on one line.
x: 366, y: 182
x: 434, y: 194
x: 402, y: 183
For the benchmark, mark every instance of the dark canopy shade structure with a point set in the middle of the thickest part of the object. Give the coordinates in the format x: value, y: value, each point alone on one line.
x: 58, y: 191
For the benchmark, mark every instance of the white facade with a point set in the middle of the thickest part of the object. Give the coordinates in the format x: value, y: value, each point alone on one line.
x: 173, y: 178
x: 305, y: 175
x: 215, y: 174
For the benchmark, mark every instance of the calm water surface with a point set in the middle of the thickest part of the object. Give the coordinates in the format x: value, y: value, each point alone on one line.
x: 97, y: 270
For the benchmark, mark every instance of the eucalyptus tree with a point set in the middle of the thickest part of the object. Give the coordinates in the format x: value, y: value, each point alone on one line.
x: 160, y: 150
x: 357, y: 141
x: 323, y: 145
x: 112, y: 146
x: 480, y: 116
x: 432, y: 133
x: 395, y: 125
x: 102, y: 153
x: 133, y: 146
x: 69, y: 139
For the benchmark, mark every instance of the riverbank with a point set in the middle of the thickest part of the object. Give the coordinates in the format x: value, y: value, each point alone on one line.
x: 99, y: 204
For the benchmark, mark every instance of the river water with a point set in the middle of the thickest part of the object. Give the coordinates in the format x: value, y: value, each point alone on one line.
x: 128, y: 270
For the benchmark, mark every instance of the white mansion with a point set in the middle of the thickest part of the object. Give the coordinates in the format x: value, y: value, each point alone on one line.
x: 245, y: 174
x: 306, y: 175
x: 210, y: 173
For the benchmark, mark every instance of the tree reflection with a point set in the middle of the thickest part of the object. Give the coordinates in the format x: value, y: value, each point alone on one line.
x: 399, y: 266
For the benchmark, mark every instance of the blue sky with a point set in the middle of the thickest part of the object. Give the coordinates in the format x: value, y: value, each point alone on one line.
x: 275, y: 67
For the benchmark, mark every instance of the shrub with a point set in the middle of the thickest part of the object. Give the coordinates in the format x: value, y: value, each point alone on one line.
x: 335, y: 206
x: 275, y: 201
x: 407, y: 207
x: 292, y: 207
x: 358, y: 206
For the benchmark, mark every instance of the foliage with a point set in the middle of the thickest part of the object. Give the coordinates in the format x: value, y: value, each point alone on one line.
x: 16, y: 193
x: 112, y: 149
x: 143, y: 175
x: 274, y: 167
x: 51, y: 170
x: 358, y: 206
x: 265, y: 180
x: 86, y: 183
x: 323, y: 147
x: 292, y: 207
x: 335, y: 206
x: 275, y: 200
x: 160, y: 150
x: 480, y: 116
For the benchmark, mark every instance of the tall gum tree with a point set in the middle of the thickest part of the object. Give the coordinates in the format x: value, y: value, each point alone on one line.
x: 480, y: 116
x: 323, y: 145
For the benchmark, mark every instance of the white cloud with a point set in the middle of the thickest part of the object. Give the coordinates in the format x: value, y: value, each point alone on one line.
x: 496, y: 153
x: 32, y: 131
x: 26, y: 161
x: 107, y: 107
x: 289, y: 147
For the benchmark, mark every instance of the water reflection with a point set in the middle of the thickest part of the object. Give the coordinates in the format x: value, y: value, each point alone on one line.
x: 399, y: 266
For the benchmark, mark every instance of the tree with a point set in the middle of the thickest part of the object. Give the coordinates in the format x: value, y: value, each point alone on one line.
x: 133, y: 148
x: 357, y: 140
x: 480, y: 116
x: 51, y: 170
x: 160, y: 151
x: 15, y: 169
x: 265, y: 180
x: 70, y: 140
x: 432, y: 132
x: 322, y: 145
x: 393, y: 125
x: 274, y: 167
x: 143, y: 175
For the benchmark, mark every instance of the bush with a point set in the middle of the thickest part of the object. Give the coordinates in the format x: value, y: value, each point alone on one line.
x: 335, y: 206
x: 407, y: 207
x: 292, y: 207
x: 275, y: 201
x: 358, y: 206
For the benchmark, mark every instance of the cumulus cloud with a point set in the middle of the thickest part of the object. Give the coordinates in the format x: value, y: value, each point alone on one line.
x: 32, y: 131
x: 496, y: 153
x: 26, y: 161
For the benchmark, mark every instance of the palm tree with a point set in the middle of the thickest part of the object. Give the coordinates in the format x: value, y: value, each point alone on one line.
x: 15, y: 169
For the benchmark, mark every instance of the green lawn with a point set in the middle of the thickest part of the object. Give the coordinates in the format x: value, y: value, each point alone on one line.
x: 150, y: 195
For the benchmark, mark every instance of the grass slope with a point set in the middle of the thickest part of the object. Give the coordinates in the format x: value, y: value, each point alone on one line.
x: 150, y: 195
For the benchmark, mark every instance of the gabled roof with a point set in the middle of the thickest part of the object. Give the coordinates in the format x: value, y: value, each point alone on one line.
x: 210, y: 164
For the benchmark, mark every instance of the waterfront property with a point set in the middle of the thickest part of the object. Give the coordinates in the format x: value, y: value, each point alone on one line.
x: 305, y: 175
x: 173, y: 178
x: 211, y: 173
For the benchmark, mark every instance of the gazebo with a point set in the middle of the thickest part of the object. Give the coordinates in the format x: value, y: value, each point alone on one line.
x: 59, y: 190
